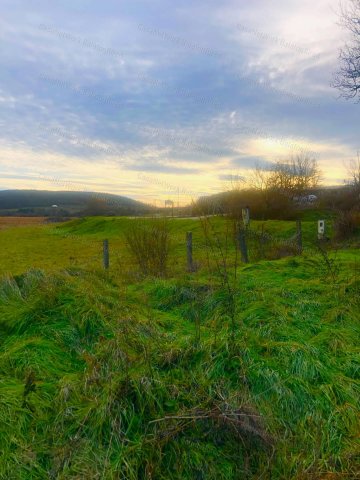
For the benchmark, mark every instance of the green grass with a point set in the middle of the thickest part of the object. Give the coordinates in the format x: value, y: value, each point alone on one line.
x: 111, y: 376
x: 78, y: 243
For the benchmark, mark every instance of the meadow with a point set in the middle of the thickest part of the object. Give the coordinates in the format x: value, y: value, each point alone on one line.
x: 79, y: 242
x: 8, y: 222
x: 232, y: 371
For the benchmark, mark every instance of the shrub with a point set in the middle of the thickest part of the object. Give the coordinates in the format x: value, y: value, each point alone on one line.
x: 346, y: 224
x: 149, y: 243
x: 280, y: 250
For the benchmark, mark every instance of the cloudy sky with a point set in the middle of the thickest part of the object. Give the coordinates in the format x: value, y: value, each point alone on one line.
x: 160, y: 99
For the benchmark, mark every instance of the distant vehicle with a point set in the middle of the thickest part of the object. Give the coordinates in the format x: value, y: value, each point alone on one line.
x: 306, y: 199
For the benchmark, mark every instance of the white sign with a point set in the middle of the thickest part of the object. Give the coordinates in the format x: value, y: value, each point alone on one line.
x: 321, y: 229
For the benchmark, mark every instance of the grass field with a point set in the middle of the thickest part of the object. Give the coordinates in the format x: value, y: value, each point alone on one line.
x: 7, y: 222
x: 112, y: 375
x: 79, y: 242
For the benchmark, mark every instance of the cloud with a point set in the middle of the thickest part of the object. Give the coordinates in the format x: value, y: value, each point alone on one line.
x: 248, y: 163
x: 161, y: 167
x: 218, y: 96
x: 232, y: 178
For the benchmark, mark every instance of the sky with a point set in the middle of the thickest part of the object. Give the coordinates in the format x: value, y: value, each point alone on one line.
x: 168, y: 99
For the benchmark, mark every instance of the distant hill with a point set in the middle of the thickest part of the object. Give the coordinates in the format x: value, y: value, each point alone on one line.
x: 40, y: 202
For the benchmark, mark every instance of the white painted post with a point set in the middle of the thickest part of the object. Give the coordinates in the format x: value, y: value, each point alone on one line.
x: 321, y: 229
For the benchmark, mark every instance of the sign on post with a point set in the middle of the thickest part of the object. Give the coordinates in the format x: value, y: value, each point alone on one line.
x: 321, y: 229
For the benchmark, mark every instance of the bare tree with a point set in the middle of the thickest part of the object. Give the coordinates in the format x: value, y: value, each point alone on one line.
x: 297, y: 176
x: 261, y: 180
x: 261, y: 177
x: 347, y: 79
x: 353, y: 169
x: 293, y: 177
x: 236, y: 182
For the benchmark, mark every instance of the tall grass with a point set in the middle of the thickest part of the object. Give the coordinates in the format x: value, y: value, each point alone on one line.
x: 102, y: 380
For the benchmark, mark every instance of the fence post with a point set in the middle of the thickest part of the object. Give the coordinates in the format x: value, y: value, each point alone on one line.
x: 299, y: 236
x: 106, y: 254
x: 242, y: 245
x: 189, y: 252
x: 246, y: 216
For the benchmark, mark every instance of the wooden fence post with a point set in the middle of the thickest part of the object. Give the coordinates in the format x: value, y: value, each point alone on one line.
x: 106, y: 262
x: 299, y: 236
x: 189, y: 252
x: 242, y: 245
x: 246, y: 216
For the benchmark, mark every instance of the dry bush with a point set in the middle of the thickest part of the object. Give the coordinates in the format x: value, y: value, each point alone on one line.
x: 281, y: 250
x: 148, y: 241
x: 344, y: 198
x: 262, y: 245
x: 346, y: 224
x: 243, y: 423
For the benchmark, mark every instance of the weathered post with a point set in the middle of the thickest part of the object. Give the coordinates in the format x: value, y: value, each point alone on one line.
x: 299, y: 236
x: 246, y: 216
x: 106, y: 262
x: 189, y: 252
x: 321, y: 229
x: 242, y: 245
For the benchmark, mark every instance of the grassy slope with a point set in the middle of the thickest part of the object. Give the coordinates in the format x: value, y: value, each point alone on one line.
x: 90, y: 364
